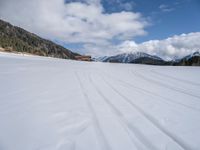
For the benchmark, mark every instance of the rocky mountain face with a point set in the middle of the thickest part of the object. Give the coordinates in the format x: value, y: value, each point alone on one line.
x: 13, y: 38
x: 143, y: 58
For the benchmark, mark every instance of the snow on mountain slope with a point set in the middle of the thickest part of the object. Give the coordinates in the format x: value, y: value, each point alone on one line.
x: 53, y: 104
x: 128, y: 57
x: 197, y: 53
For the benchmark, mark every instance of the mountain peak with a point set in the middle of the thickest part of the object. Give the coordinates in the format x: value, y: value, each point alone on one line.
x: 130, y: 57
x: 197, y: 53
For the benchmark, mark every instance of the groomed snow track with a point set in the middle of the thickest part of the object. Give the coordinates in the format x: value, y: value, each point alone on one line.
x: 54, y: 104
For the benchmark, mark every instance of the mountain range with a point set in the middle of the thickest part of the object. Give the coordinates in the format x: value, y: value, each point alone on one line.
x: 15, y: 39
x: 144, y: 58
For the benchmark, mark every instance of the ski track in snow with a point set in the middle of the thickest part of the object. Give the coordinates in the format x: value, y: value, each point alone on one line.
x: 123, y: 119
x: 103, y: 141
x: 176, y: 79
x: 162, y: 98
x: 165, y: 85
x: 55, y: 104
x: 152, y: 120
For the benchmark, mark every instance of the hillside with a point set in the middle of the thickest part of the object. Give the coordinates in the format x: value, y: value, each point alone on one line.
x: 13, y: 38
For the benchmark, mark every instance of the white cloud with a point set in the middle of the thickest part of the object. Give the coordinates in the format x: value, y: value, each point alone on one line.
x: 165, y: 8
x: 128, y: 6
x: 73, y: 22
x: 176, y: 46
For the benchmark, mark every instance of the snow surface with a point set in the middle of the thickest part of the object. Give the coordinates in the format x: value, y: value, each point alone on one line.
x: 54, y: 104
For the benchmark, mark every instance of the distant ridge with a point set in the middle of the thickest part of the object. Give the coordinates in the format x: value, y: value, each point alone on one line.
x: 190, y: 60
x: 15, y: 39
x: 136, y: 57
x: 144, y: 58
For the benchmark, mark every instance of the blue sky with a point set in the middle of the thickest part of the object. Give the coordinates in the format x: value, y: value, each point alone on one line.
x: 181, y: 16
x: 168, y: 28
x: 184, y: 17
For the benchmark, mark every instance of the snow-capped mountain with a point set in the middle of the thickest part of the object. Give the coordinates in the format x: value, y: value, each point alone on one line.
x: 101, y: 59
x: 195, y: 54
x: 144, y: 58
x: 136, y: 57
x: 190, y: 60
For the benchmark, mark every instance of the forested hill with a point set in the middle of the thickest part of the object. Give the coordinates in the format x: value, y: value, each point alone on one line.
x: 13, y: 38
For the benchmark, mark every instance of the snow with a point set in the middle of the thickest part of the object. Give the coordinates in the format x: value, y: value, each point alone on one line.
x: 55, y: 104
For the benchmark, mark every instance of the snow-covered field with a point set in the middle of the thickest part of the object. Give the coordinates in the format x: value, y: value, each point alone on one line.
x: 53, y: 104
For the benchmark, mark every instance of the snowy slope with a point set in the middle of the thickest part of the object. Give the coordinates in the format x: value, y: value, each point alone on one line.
x: 52, y: 104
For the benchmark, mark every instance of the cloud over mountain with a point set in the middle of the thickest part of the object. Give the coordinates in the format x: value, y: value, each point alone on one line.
x: 176, y: 46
